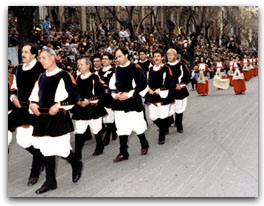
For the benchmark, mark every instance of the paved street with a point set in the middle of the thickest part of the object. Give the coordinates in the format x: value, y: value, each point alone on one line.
x: 216, y: 156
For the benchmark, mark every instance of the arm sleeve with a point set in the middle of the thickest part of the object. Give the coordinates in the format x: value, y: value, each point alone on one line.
x: 98, y: 89
x: 12, y: 81
x: 112, y: 86
x: 186, y: 75
x: 34, y: 97
x: 67, y: 92
x: 140, y: 80
x: 169, y: 80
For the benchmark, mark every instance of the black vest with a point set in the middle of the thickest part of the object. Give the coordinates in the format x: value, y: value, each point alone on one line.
x: 48, y: 86
x: 26, y: 80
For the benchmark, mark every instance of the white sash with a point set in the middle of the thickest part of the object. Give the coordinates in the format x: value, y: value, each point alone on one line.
x: 219, y: 73
x: 238, y: 75
x: 221, y: 83
x: 201, y: 78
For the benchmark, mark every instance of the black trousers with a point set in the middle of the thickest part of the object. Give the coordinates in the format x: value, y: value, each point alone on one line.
x: 37, y: 161
x: 163, y: 125
x: 194, y: 83
x: 123, y: 139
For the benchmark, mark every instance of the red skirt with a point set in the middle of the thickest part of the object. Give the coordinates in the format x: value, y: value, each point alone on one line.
x: 256, y: 71
x: 239, y: 85
x: 251, y: 73
x: 202, y: 88
x: 230, y: 80
x: 246, y: 75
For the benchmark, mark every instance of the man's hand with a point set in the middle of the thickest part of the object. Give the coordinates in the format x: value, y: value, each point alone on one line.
x: 84, y: 103
x: 122, y: 96
x: 151, y: 91
x: 34, y: 108
x: 54, y: 109
x: 178, y: 87
x: 16, y: 101
x: 157, y: 91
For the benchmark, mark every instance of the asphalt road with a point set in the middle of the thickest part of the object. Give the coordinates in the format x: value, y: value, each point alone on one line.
x: 216, y: 156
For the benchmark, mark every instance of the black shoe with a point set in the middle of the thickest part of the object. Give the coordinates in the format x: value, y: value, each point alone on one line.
x: 161, y: 138
x: 144, y: 151
x: 180, y: 130
x: 44, y: 189
x: 120, y: 158
x: 32, y: 181
x: 76, y: 175
x: 98, y: 152
x: 161, y: 141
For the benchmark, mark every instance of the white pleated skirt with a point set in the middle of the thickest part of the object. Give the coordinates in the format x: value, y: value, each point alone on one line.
x: 180, y: 105
x: 80, y: 126
x: 128, y: 122
x: 49, y: 146
x: 160, y: 111
x: 24, y: 136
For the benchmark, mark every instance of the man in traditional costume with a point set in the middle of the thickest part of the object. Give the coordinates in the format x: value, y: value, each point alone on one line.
x: 181, y: 76
x: 54, y: 93
x: 128, y: 85
x: 159, y: 98
x: 22, y: 80
x: 105, y: 75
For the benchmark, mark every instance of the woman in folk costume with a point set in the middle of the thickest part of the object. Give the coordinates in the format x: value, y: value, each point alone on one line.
x: 256, y: 66
x: 252, y: 66
x: 89, y: 110
x: 159, y: 98
x: 181, y: 76
x: 230, y: 72
x: 202, y: 83
x: 238, y: 77
x: 220, y: 81
x: 105, y: 74
x: 220, y: 67
x: 246, y: 67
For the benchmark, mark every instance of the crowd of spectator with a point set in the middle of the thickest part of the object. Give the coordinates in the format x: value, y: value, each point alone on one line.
x: 70, y: 45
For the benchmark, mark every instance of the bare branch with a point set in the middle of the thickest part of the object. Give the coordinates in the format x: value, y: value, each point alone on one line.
x: 142, y: 20
x: 114, y: 15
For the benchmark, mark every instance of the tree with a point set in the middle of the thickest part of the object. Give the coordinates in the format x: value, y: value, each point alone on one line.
x: 142, y: 20
x: 25, y: 18
x: 127, y: 23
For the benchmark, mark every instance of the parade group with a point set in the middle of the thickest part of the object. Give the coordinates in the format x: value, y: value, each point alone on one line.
x: 107, y: 98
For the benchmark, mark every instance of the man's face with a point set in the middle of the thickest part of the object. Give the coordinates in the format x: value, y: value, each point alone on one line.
x: 27, y: 57
x: 157, y: 58
x: 171, y: 57
x: 46, y: 60
x: 142, y: 56
x: 106, y: 61
x: 97, y: 63
x: 83, y: 67
x: 120, y: 57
